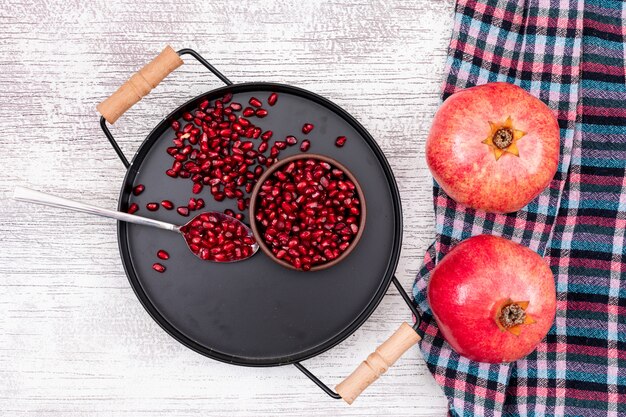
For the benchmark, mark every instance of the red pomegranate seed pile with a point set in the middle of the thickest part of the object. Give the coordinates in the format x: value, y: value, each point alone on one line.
x: 224, y: 151
x: 218, y: 148
x: 217, y: 239
x: 308, y: 213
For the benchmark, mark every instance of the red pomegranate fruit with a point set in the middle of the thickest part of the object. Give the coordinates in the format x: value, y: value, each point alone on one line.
x: 493, y: 300
x: 493, y: 147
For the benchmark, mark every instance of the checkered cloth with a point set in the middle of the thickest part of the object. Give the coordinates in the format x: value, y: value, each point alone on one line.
x: 570, y: 54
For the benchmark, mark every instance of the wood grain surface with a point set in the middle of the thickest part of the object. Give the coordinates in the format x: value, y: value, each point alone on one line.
x: 74, y: 340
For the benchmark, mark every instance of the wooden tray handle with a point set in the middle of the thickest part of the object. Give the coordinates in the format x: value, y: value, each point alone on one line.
x: 139, y: 84
x: 377, y: 363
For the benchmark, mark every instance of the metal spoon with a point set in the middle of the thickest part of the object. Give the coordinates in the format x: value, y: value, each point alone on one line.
x: 37, y: 197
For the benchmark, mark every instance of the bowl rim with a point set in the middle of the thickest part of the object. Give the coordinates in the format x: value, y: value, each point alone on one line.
x: 270, y: 171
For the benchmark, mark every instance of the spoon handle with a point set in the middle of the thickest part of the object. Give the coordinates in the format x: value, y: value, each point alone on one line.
x: 37, y: 197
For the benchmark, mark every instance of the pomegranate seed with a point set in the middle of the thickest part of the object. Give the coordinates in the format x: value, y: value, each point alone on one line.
x: 255, y: 102
x: 175, y: 125
x: 306, y: 128
x: 158, y: 267
x: 167, y: 204
x: 132, y: 208
x: 267, y: 135
x: 260, y: 113
x: 152, y: 206
x: 196, y: 188
x: 248, y: 111
x: 305, y: 146
x: 138, y: 189
x: 271, y: 100
x: 341, y: 140
x: 161, y: 254
x: 291, y: 140
x: 183, y: 211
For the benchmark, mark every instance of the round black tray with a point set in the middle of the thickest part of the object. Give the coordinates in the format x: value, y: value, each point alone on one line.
x: 256, y: 312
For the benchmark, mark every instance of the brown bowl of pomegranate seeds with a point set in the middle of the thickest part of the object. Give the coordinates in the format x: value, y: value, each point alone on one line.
x: 307, y: 212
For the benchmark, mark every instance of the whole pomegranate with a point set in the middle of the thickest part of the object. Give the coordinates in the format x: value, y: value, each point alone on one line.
x: 494, y: 300
x: 493, y: 147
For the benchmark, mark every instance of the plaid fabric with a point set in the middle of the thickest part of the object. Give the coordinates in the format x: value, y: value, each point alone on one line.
x: 570, y: 54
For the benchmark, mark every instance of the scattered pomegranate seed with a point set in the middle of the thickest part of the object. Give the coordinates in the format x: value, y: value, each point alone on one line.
x: 306, y: 128
x: 132, y: 208
x: 248, y: 111
x: 255, y: 102
x: 161, y: 254
x: 261, y: 113
x: 267, y: 135
x: 152, y: 206
x: 183, y: 211
x: 271, y: 100
x: 167, y: 204
x: 138, y: 189
x: 197, y: 187
x: 158, y: 267
x: 307, y: 213
x: 291, y: 140
x: 305, y: 146
x: 218, y: 239
x: 341, y: 140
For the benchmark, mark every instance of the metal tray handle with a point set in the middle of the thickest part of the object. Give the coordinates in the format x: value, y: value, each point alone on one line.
x: 139, y: 85
x: 377, y: 363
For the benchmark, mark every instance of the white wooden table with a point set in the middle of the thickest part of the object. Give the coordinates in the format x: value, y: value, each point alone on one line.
x: 74, y: 340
